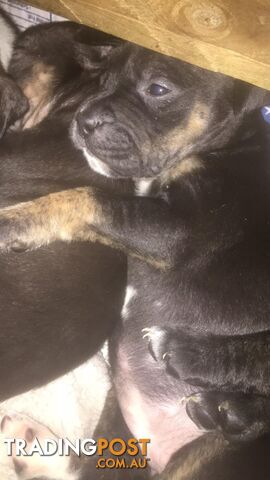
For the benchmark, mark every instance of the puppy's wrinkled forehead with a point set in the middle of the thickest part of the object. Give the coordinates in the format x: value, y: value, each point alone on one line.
x: 134, y: 64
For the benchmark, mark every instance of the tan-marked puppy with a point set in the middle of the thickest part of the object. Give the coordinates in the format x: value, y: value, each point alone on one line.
x: 197, y: 328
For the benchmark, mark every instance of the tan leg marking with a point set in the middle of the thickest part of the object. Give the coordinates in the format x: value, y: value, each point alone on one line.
x: 66, y: 216
x: 38, y: 89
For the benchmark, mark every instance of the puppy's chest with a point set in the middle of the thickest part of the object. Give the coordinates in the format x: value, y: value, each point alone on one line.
x: 154, y: 297
x: 212, y: 297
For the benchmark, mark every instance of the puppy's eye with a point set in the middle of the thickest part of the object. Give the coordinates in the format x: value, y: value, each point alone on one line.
x: 157, y: 90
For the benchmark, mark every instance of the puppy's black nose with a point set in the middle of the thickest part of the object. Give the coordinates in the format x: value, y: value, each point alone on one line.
x: 90, y: 119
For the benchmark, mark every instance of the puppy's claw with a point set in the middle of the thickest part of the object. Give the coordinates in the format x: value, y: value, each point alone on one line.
x: 147, y: 333
x: 192, y: 398
x: 224, y: 406
x: 155, y: 336
x: 166, y: 356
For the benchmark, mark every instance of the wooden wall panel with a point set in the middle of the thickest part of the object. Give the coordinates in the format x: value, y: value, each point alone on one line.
x: 229, y: 36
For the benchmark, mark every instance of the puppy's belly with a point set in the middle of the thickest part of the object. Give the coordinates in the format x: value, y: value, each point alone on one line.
x: 162, y: 420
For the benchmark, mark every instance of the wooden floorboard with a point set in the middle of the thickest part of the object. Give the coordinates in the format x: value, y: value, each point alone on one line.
x: 228, y: 36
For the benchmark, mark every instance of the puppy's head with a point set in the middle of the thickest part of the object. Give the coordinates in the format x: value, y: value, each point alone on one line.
x: 152, y: 111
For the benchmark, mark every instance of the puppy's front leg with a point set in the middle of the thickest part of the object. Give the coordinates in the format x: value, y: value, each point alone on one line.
x: 58, y: 216
x: 131, y: 224
x: 237, y: 363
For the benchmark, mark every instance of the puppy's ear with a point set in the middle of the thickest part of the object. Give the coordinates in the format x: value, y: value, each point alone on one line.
x: 247, y: 98
x: 92, y: 57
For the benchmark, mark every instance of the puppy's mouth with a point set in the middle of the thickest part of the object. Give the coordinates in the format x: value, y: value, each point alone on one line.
x: 109, y: 152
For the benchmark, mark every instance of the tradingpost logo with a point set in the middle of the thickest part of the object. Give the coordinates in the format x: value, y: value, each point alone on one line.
x: 107, y: 451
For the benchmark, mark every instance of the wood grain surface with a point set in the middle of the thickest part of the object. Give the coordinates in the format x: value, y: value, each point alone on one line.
x: 228, y: 36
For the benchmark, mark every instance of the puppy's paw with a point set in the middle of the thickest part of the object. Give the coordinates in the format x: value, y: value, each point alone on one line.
x: 203, y: 409
x: 13, y: 103
x: 239, y: 416
x: 16, y: 228
x: 169, y: 349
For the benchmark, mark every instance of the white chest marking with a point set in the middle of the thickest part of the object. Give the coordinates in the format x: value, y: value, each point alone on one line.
x: 143, y: 186
x: 131, y: 292
x: 96, y: 164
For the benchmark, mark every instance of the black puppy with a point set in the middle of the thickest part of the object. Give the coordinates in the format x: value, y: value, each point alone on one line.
x: 51, y: 301
x: 198, y: 268
x: 13, y: 104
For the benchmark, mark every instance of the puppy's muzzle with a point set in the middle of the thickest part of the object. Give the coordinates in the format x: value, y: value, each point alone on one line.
x: 109, y: 143
x: 89, y: 120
